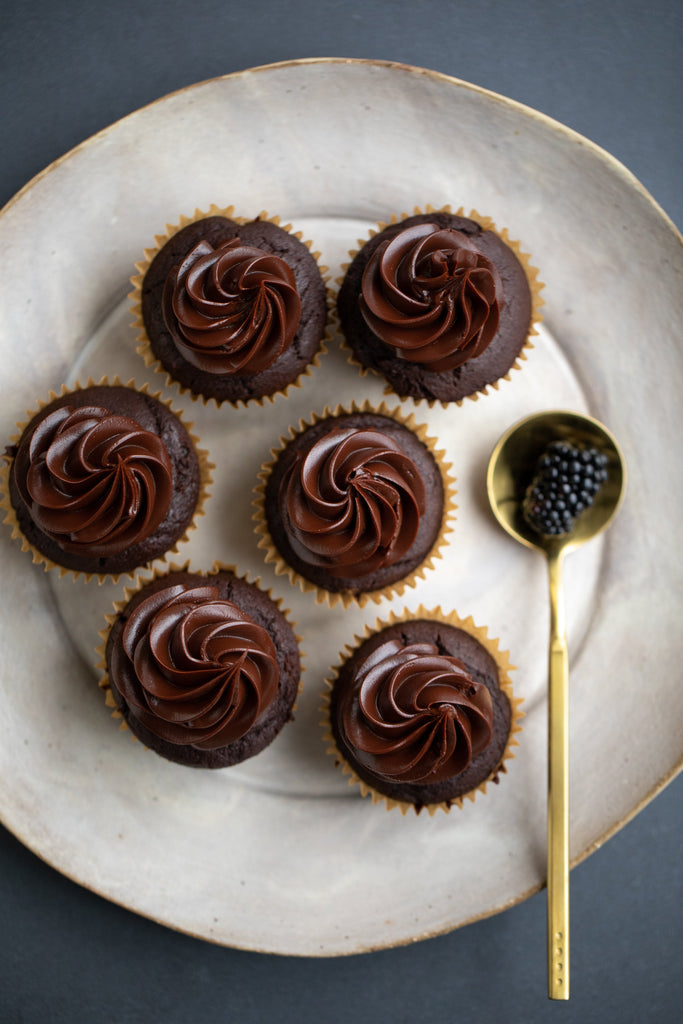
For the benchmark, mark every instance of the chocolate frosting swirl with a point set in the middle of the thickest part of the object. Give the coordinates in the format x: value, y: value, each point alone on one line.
x: 432, y: 297
x: 414, y: 715
x: 352, y: 503
x: 194, y: 668
x: 94, y: 481
x: 234, y: 309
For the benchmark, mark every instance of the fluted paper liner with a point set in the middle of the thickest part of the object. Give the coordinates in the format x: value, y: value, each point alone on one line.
x: 144, y: 346
x: 205, y: 480
x: 346, y: 597
x: 535, y: 287
x: 143, y: 581
x: 502, y: 660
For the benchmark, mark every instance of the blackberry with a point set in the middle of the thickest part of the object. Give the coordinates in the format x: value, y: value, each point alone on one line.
x: 566, y: 480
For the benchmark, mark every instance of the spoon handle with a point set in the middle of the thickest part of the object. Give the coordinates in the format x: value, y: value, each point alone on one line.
x: 558, y: 790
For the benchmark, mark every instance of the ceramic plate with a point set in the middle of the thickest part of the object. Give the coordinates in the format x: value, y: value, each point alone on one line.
x: 280, y: 854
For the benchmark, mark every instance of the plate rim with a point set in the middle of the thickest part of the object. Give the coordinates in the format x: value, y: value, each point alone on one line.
x: 535, y: 115
x: 659, y: 787
x: 507, y: 101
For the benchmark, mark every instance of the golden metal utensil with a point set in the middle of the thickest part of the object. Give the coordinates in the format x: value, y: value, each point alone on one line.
x: 510, y: 470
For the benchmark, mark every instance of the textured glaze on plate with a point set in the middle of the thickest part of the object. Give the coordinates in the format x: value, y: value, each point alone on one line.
x: 301, y: 865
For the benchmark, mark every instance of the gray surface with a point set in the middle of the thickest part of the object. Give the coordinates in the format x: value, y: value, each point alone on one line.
x: 612, y: 72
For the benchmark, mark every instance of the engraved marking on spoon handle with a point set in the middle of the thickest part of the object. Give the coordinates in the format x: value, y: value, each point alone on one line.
x: 558, y: 790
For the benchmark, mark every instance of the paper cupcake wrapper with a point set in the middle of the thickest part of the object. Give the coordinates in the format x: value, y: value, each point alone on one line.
x: 205, y: 480
x: 344, y: 597
x: 535, y: 287
x: 144, y: 347
x: 502, y: 660
x: 143, y: 581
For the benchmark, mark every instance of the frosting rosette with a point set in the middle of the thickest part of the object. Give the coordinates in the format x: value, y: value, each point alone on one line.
x: 94, y: 481
x: 414, y: 715
x: 233, y: 309
x: 193, y: 668
x: 432, y: 296
x: 352, y: 502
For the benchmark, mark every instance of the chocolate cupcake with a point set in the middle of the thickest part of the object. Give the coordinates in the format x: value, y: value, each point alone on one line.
x: 439, y: 304
x: 354, y: 505
x: 103, y: 479
x: 203, y: 668
x: 231, y: 310
x: 421, y: 712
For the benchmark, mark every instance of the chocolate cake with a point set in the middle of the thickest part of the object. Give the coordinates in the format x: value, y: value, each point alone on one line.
x: 437, y: 305
x: 203, y: 668
x: 418, y: 714
x: 104, y: 479
x: 355, y: 502
x: 232, y: 311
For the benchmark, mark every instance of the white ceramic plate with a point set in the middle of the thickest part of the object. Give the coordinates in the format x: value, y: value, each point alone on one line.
x: 279, y: 854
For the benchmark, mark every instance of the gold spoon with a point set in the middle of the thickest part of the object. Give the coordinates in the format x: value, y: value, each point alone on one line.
x: 510, y: 470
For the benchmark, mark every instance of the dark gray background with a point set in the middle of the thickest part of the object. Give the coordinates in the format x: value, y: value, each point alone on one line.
x: 612, y: 71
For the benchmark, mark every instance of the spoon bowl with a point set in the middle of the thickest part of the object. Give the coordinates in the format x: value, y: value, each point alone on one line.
x: 511, y: 468
x: 510, y: 472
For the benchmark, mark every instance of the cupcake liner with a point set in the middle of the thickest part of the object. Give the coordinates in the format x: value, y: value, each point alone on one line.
x: 142, y: 581
x: 502, y: 659
x: 144, y: 347
x: 535, y: 287
x: 205, y: 480
x: 344, y: 597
